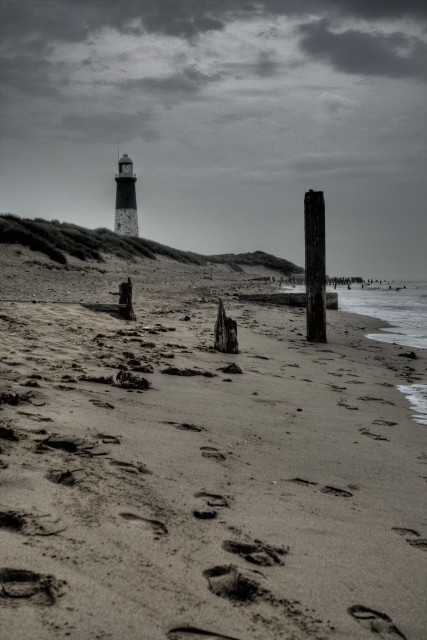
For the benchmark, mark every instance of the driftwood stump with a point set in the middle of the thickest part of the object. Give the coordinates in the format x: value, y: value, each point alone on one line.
x: 125, y: 292
x: 225, y: 332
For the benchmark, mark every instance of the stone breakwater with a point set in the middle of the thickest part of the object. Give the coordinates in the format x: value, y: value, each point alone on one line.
x: 288, y: 299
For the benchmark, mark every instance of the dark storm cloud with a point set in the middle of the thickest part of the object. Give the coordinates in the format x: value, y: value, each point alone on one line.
x: 74, y: 20
x: 30, y: 28
x: 113, y: 128
x: 378, y: 9
x: 395, y: 55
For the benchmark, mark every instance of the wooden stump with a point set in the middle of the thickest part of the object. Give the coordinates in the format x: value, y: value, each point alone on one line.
x: 125, y: 291
x: 225, y: 332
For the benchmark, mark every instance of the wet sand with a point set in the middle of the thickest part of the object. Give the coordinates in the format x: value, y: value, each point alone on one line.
x: 309, y: 457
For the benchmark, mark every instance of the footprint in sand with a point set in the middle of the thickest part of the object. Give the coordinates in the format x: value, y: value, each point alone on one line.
x: 37, y: 417
x: 67, y: 478
x: 28, y: 524
x: 256, y: 552
x: 184, y: 426
x: 374, y: 436
x: 371, y: 399
x: 214, y: 455
x: 9, y: 433
x: 213, y: 499
x: 129, y: 467
x: 418, y: 544
x: 101, y: 404
x: 244, y: 587
x: 193, y: 633
x: 337, y: 492
x: 227, y: 582
x: 384, y: 423
x: 75, y: 444
x: 378, y: 623
x: 405, y: 532
x: 350, y: 407
x: 18, y: 587
x: 107, y: 439
x: 302, y: 482
x: 157, y: 527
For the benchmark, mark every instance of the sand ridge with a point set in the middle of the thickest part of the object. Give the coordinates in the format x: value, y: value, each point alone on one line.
x: 309, y: 457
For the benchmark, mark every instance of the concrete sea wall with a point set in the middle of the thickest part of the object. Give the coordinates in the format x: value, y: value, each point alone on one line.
x: 289, y: 299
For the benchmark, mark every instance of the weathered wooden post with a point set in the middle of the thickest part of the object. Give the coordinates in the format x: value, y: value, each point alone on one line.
x: 315, y: 267
x: 125, y: 297
x: 225, y: 332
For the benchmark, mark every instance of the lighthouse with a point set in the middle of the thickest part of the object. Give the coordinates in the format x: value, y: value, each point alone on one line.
x: 126, y: 222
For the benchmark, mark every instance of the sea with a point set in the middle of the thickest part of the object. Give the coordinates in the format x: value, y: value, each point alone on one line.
x: 402, y: 304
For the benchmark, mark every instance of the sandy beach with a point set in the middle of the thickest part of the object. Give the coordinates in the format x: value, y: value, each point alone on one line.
x: 309, y: 457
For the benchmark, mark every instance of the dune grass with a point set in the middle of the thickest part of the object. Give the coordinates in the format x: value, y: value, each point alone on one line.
x: 257, y: 258
x: 57, y: 239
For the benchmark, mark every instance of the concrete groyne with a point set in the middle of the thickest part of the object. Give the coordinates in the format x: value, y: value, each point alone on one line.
x: 288, y: 299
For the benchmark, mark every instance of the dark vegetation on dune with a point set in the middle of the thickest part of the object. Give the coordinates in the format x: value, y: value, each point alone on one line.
x: 56, y: 239
x: 257, y: 258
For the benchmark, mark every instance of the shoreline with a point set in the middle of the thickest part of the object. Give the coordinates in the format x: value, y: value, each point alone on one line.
x: 310, y: 458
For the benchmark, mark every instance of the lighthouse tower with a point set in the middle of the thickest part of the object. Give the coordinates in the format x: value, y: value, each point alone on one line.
x: 126, y: 222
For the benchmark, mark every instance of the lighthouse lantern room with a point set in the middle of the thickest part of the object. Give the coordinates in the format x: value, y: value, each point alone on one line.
x: 126, y: 221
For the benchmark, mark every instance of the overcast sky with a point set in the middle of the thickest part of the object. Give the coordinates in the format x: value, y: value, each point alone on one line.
x: 230, y: 110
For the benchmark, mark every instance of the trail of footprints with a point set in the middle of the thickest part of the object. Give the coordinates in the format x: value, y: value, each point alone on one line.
x: 228, y: 581
x: 23, y: 587
x: 326, y: 489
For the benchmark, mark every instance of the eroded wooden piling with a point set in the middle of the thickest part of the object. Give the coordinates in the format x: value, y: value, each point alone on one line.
x: 315, y: 267
x: 125, y: 293
x: 225, y: 332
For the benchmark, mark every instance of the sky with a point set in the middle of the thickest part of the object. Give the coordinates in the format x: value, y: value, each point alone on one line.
x: 231, y: 110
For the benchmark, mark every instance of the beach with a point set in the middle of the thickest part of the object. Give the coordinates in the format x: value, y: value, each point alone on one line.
x: 310, y: 458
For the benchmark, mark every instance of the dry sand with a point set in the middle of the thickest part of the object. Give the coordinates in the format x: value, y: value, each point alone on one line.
x: 310, y: 458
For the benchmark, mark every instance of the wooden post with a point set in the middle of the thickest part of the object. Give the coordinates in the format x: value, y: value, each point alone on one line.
x: 125, y: 297
x: 225, y: 332
x: 315, y: 268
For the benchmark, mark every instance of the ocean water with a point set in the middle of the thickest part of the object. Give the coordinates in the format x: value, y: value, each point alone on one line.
x: 405, y: 309
x: 417, y: 396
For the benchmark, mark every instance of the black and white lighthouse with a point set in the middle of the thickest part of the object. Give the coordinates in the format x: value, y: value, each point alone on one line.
x: 126, y: 222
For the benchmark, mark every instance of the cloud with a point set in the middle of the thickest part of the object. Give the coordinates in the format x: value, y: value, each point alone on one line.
x: 28, y: 74
x: 394, y: 55
x: 371, y: 9
x: 335, y: 104
x: 112, y: 128
x: 331, y: 162
x: 265, y: 67
x: 75, y: 20
x: 172, y: 88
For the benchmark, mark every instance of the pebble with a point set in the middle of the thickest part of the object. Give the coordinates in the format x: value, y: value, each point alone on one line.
x: 205, y: 514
